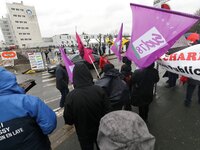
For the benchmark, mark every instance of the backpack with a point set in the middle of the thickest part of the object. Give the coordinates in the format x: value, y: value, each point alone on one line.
x: 115, y: 89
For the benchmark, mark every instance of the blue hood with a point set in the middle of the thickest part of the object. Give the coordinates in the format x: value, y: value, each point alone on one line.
x: 8, y: 83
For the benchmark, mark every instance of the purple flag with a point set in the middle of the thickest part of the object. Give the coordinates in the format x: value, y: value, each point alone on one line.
x: 117, y: 46
x: 68, y: 65
x: 154, y: 31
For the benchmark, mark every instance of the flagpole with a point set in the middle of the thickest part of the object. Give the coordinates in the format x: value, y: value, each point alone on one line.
x: 94, y: 67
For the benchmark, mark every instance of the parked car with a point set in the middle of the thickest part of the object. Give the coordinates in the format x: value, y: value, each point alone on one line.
x: 75, y: 58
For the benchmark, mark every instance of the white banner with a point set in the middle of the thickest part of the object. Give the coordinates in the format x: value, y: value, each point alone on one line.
x: 36, y: 61
x: 185, y: 62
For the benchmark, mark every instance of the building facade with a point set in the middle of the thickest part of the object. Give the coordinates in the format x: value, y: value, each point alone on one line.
x: 23, y: 28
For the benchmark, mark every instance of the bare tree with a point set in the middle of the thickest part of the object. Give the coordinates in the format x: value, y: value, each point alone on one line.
x: 196, y: 27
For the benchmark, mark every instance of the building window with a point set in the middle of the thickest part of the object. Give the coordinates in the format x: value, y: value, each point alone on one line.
x: 21, y: 21
x: 9, y: 37
x: 4, y: 22
x: 21, y: 9
x: 12, y: 8
x: 28, y: 33
x: 23, y: 15
x: 7, y: 29
x: 22, y: 27
x: 15, y: 15
x: 25, y: 21
x: 6, y: 25
x: 29, y: 39
x: 17, y: 9
x: 18, y: 27
x: 16, y: 21
x: 19, y: 15
x: 26, y: 27
x: 23, y: 44
x: 21, y: 39
x: 10, y: 40
x: 20, y: 33
x: 24, y: 33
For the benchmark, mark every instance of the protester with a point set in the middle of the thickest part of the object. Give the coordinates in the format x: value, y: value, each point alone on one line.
x: 115, y: 88
x: 46, y: 52
x: 25, y: 120
x: 124, y: 130
x: 191, y: 85
x: 126, y: 71
x: 85, y: 106
x: 102, y: 61
x: 62, y: 81
x: 172, y: 77
x: 143, y: 81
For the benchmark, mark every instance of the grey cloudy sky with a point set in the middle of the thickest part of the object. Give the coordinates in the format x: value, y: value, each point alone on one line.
x: 90, y: 16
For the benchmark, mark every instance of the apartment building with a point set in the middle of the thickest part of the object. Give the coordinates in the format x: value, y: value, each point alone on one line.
x: 20, y: 27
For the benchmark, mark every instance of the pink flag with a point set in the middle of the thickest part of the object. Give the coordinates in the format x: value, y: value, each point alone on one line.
x: 88, y: 55
x: 117, y: 46
x: 154, y: 31
x: 68, y: 65
x: 80, y: 45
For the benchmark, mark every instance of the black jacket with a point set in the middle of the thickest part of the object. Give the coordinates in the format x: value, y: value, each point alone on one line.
x: 85, y: 105
x: 143, y: 81
x: 62, y: 79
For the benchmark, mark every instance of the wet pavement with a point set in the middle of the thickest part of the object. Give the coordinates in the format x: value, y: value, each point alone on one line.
x: 174, y: 126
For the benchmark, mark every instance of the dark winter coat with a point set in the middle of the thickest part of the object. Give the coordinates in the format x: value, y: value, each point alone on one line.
x: 143, y: 81
x: 62, y: 78
x: 85, y: 105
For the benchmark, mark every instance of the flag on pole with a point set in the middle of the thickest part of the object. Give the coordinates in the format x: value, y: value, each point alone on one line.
x: 88, y: 55
x: 154, y: 31
x: 68, y: 64
x: 80, y: 45
x: 85, y: 53
x: 117, y: 46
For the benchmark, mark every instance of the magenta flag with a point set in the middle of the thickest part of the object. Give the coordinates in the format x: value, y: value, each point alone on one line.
x: 117, y: 46
x: 80, y: 45
x: 154, y: 31
x: 68, y: 64
x: 88, y: 55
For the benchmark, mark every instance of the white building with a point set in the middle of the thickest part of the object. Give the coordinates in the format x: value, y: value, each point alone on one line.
x: 64, y: 39
x: 22, y: 23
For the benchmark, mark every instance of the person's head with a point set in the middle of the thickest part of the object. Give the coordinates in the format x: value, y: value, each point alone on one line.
x: 62, y: 63
x: 126, y: 60
x: 124, y: 130
x: 108, y: 67
x: 151, y: 66
x: 8, y: 83
x: 126, y: 70
x: 82, y: 76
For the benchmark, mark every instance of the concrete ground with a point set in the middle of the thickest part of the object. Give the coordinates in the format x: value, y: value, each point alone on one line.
x: 174, y: 126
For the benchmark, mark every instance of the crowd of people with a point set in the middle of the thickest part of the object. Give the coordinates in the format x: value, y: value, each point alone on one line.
x: 101, y: 111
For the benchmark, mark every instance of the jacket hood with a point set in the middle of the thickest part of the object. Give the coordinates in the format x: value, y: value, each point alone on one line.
x: 124, y: 130
x: 8, y: 83
x: 112, y: 72
x: 82, y: 76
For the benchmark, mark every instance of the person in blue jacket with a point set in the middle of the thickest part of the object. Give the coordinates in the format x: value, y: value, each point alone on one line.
x: 25, y: 120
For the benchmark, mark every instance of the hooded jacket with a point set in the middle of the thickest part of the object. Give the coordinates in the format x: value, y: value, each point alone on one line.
x: 124, y: 130
x: 85, y: 105
x: 25, y: 121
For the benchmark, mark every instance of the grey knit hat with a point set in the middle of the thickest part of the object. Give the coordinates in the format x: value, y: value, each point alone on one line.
x: 124, y: 130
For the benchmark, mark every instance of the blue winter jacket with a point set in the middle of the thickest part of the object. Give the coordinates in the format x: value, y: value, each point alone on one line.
x: 19, y: 109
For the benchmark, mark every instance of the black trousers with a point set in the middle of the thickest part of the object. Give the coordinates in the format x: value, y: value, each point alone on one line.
x: 143, y: 112
x: 88, y: 145
x: 190, y: 91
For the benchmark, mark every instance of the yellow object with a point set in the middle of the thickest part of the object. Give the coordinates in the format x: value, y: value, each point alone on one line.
x: 30, y: 71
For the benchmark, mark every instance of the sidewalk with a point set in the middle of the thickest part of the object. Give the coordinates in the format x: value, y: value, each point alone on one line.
x: 174, y: 126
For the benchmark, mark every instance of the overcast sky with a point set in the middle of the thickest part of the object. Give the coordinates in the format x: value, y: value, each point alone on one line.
x: 90, y: 16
